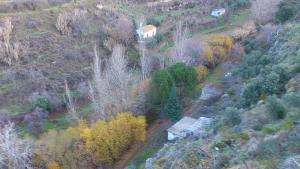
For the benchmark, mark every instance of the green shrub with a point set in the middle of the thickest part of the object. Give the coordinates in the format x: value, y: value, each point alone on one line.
x: 252, y: 64
x: 153, y: 21
x: 151, y: 42
x: 269, y: 149
x: 236, y: 136
x: 259, y: 124
x: 231, y: 116
x: 161, y: 85
x: 173, y: 107
x: 287, y: 10
x: 270, y: 128
x: 133, y: 57
x: 292, y: 99
x: 185, y: 78
x: 275, y: 108
x: 269, y: 81
x: 41, y: 102
x: 251, y: 93
x: 236, y: 4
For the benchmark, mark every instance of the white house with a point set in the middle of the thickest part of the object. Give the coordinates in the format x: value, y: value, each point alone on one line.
x: 147, y: 31
x: 218, y: 12
x: 188, y: 126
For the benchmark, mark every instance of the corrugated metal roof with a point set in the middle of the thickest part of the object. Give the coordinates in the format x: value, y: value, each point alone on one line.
x: 188, y: 125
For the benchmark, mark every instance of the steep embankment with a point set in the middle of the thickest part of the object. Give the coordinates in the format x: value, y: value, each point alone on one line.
x: 261, y: 127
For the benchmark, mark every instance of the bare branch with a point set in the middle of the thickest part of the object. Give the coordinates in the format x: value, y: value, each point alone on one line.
x: 15, y: 153
x: 70, y: 103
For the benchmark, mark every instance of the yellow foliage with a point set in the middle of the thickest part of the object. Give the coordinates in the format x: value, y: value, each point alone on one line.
x: 208, y: 55
x: 107, y: 140
x: 202, y: 72
x: 102, y: 142
x: 220, y: 40
x: 220, y: 53
x: 53, y: 165
x: 219, y: 47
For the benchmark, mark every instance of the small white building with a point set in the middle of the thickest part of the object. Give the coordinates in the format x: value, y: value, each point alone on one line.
x: 218, y: 12
x: 147, y: 31
x: 99, y: 6
x: 188, y: 126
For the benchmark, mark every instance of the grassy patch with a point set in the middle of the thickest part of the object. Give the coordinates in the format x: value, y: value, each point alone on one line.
x: 283, y: 125
x: 209, y: 30
x: 16, y: 109
x: 240, y: 17
x: 59, y: 123
x: 215, y: 76
x: 84, y: 110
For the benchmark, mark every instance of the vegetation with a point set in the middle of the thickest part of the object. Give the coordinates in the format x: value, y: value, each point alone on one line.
x: 287, y: 10
x: 275, y: 108
x: 173, y: 108
x: 231, y: 116
x: 161, y: 85
x: 101, y: 143
x: 41, y: 102
x: 46, y: 57
x: 185, y: 78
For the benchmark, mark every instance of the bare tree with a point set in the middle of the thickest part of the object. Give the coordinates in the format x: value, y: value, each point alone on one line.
x: 70, y: 103
x: 123, y: 31
x: 9, y: 52
x: 113, y: 89
x: 75, y: 21
x: 264, y: 10
x: 144, y: 60
x: 15, y: 153
x: 180, y: 38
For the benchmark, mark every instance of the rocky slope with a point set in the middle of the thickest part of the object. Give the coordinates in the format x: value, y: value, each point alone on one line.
x: 248, y: 136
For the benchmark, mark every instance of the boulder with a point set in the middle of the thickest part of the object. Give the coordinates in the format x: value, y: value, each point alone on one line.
x: 291, y: 163
x: 211, y: 92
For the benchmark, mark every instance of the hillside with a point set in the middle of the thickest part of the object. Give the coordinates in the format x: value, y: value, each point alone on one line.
x: 264, y: 134
x: 89, y: 84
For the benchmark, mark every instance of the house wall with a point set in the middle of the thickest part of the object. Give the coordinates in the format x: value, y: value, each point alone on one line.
x: 150, y: 34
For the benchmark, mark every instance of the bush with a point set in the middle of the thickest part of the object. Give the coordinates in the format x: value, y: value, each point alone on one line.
x: 236, y: 4
x: 251, y: 93
x: 153, y: 21
x: 269, y: 149
x: 275, y: 108
x: 133, y: 57
x: 231, y: 116
x: 292, y: 99
x: 75, y: 22
x: 155, y: 40
x: 252, y: 64
x: 35, y: 121
x: 173, y: 108
x: 268, y: 82
x: 161, y: 85
x: 202, y: 72
x: 185, y: 78
x: 41, y: 102
x: 215, y: 49
x: 287, y: 10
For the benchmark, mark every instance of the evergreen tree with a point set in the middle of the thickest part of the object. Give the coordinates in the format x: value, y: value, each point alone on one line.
x: 173, y: 108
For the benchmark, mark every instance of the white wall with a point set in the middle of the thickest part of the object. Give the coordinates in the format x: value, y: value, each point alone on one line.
x: 150, y: 34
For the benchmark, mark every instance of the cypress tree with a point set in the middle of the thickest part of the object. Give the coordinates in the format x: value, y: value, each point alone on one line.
x: 173, y: 108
